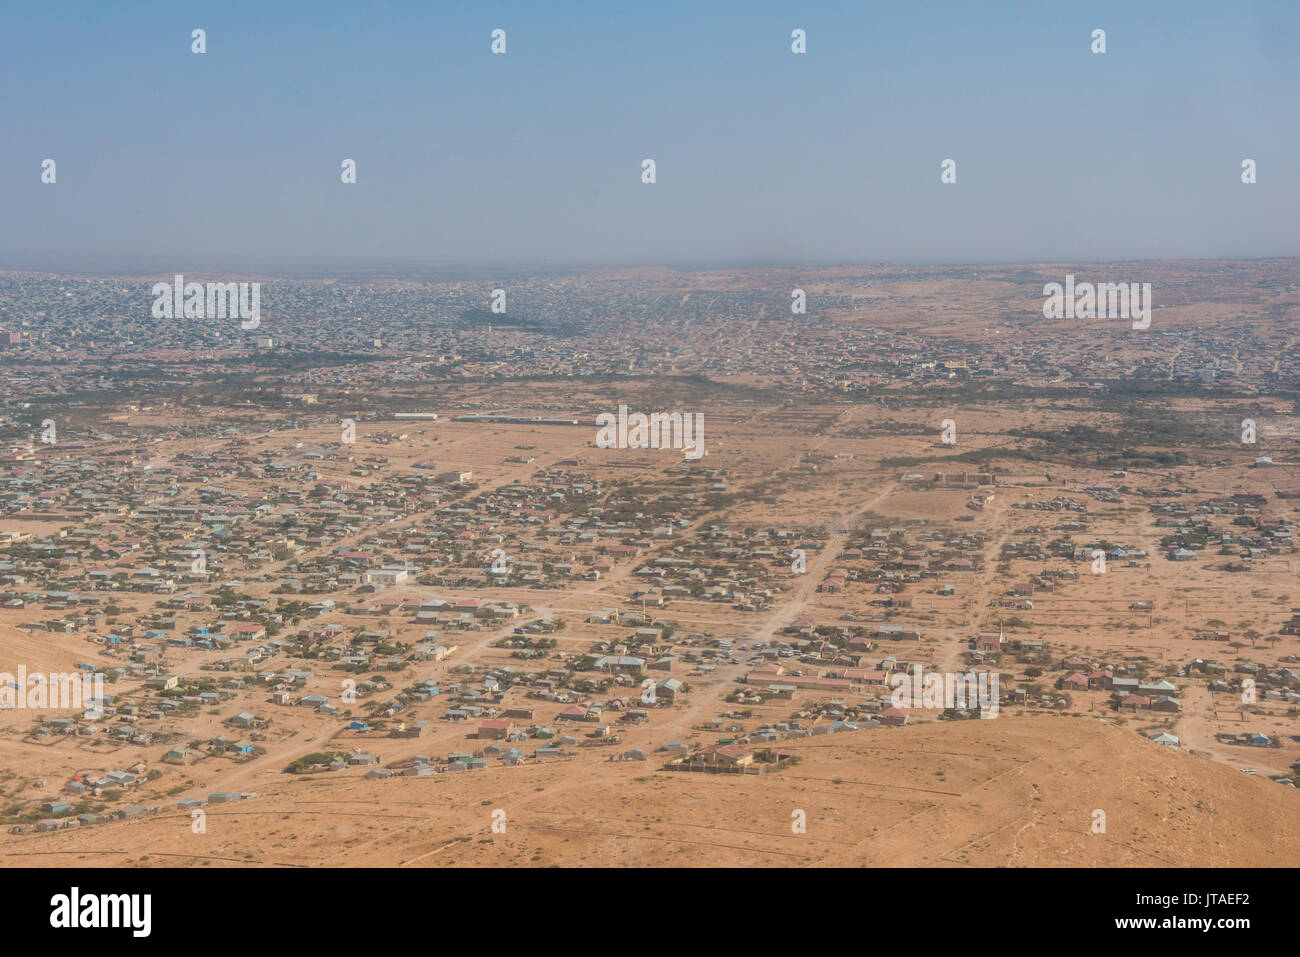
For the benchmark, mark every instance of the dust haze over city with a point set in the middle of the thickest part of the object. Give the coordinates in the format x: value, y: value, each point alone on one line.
x: 679, y: 436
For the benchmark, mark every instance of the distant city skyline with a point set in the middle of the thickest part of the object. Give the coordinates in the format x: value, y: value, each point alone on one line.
x: 168, y: 160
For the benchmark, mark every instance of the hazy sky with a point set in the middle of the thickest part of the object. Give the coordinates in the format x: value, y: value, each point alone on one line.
x: 170, y: 160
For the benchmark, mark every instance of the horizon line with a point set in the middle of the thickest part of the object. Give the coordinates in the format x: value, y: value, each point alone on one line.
x: 410, y: 269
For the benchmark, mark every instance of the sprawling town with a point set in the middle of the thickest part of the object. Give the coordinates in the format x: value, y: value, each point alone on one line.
x: 406, y: 568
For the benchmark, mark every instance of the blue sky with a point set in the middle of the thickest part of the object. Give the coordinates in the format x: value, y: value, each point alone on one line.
x: 171, y: 160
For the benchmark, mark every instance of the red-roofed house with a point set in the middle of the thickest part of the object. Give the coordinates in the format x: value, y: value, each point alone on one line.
x: 495, y: 728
